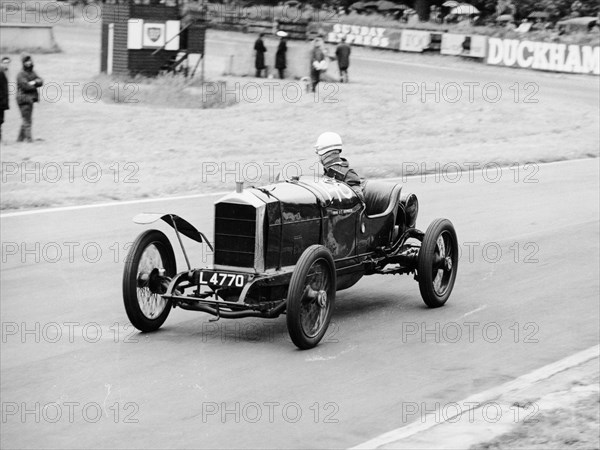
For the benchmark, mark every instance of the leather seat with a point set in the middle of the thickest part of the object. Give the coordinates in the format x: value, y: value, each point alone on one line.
x: 380, y: 196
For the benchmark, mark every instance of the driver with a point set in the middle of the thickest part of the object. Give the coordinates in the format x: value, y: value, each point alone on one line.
x: 329, y: 147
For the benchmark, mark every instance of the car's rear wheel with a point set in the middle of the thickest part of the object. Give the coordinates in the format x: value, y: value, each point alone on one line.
x: 311, y: 297
x: 149, y: 266
x: 438, y: 262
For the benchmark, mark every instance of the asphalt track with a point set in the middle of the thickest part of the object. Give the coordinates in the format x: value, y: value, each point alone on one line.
x: 243, y: 383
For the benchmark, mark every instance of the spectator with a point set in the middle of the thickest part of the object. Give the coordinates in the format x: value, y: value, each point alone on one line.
x: 3, y: 90
x: 280, y: 56
x: 435, y: 14
x: 342, y: 53
x: 27, y: 94
x: 259, y: 60
x: 318, y: 62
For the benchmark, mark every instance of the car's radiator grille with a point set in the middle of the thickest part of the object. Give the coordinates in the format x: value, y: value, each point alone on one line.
x: 235, y: 231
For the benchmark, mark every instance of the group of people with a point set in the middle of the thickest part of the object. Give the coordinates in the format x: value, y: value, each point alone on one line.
x: 280, y: 55
x: 319, y: 58
x: 319, y: 61
x: 28, y: 83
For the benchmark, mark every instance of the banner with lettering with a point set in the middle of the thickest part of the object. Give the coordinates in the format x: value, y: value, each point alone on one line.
x: 379, y: 37
x: 549, y: 56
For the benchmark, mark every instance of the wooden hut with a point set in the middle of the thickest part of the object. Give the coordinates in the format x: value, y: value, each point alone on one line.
x: 148, y: 36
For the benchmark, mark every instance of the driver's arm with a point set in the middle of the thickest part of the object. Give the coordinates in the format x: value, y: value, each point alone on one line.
x: 352, y: 178
x: 355, y: 183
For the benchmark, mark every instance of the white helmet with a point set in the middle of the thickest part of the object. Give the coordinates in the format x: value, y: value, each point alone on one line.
x: 327, y: 142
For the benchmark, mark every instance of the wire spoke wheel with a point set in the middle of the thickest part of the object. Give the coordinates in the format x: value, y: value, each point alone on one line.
x: 314, y: 303
x: 152, y: 304
x: 311, y: 297
x: 149, y: 266
x: 442, y: 267
x: 438, y: 262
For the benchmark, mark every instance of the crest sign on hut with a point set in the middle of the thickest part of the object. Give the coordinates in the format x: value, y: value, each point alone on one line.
x: 154, y: 33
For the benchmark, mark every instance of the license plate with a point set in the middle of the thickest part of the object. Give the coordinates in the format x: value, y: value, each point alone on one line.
x: 222, y: 279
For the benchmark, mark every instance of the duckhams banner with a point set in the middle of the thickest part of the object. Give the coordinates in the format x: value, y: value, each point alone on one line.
x: 549, y: 56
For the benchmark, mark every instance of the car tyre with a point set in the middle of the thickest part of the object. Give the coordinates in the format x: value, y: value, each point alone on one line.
x: 311, y: 297
x: 438, y: 263
x: 143, y: 285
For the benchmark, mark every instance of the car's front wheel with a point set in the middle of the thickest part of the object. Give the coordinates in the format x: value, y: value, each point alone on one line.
x: 311, y: 297
x: 438, y: 262
x: 149, y: 266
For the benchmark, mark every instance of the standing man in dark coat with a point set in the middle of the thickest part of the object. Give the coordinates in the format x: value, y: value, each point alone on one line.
x: 3, y: 90
x: 280, y: 56
x: 342, y: 53
x: 27, y: 94
x: 318, y: 62
x: 259, y: 61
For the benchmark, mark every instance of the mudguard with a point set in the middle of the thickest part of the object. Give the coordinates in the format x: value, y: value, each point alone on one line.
x: 179, y: 224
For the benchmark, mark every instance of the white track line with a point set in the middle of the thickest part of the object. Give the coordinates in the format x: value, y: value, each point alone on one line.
x: 209, y: 194
x: 481, y: 308
x: 486, y: 396
x: 115, y: 203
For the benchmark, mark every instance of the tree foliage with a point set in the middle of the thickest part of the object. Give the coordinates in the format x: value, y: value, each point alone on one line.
x: 557, y: 8
x: 522, y: 8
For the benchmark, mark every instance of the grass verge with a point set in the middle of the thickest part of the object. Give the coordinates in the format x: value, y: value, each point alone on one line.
x: 167, y: 90
x: 573, y: 428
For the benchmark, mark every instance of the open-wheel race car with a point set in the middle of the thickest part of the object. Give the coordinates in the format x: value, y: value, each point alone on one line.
x: 286, y: 248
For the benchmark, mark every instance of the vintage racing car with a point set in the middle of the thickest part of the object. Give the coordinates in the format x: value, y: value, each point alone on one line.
x: 286, y: 248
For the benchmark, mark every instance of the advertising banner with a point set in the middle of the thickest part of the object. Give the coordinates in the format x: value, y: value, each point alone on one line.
x: 463, y: 45
x: 414, y: 40
x: 549, y: 56
x: 378, y: 37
